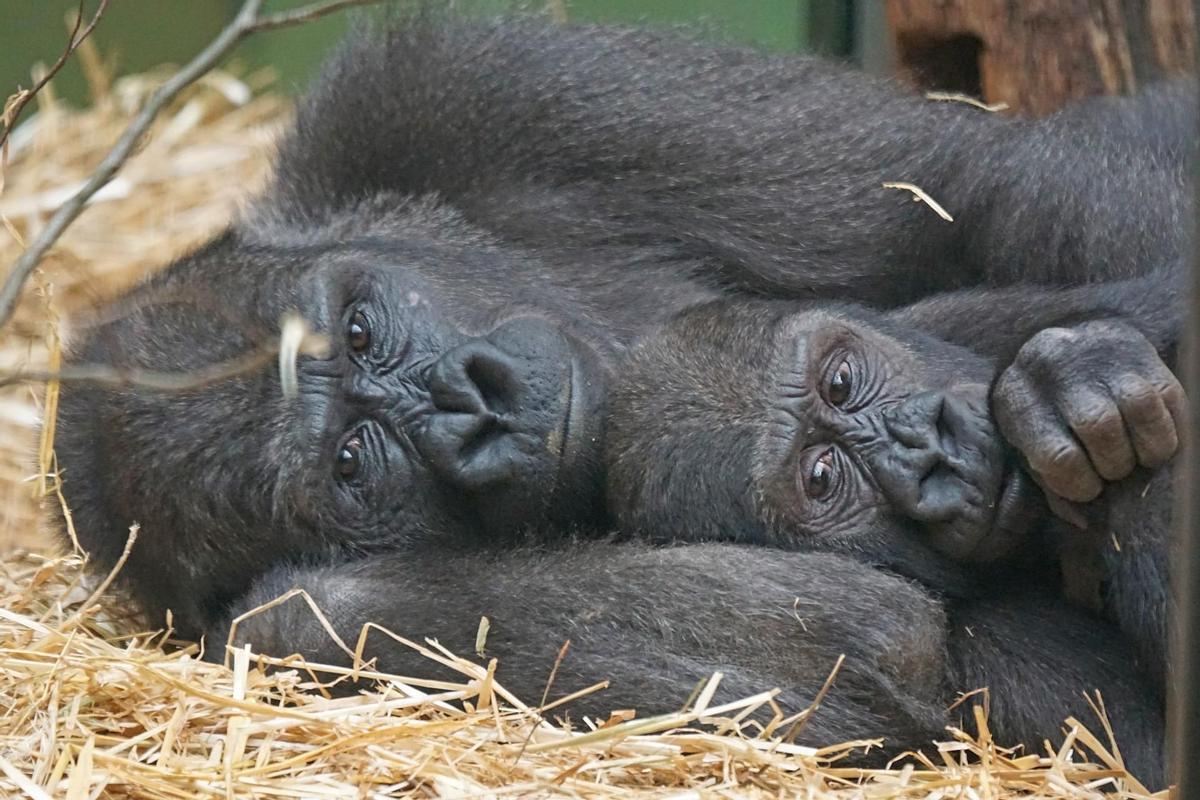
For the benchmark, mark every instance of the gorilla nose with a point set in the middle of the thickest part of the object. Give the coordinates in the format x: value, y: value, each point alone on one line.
x: 499, y: 406
x: 919, y: 471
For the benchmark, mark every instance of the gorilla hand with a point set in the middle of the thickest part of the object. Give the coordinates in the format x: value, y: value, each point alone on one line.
x: 1088, y: 404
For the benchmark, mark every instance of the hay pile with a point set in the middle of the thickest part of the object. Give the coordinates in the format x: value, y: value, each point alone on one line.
x: 93, y: 708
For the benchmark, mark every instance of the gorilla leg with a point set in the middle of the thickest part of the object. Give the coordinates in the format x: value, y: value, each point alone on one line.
x: 1038, y: 658
x: 652, y: 621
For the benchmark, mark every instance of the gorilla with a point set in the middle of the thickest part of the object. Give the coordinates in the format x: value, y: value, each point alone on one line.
x: 822, y: 427
x: 483, y: 217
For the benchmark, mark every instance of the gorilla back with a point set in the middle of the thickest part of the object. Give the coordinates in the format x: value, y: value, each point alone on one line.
x: 481, y: 216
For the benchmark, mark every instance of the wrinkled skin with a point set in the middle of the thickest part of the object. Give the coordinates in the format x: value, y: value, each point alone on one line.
x: 1086, y: 405
x: 841, y: 430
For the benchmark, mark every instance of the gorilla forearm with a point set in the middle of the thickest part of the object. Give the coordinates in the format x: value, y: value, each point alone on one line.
x: 995, y: 323
x: 767, y: 170
x: 1131, y: 533
x: 654, y: 622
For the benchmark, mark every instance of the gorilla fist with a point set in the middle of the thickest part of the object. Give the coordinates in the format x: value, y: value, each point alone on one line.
x: 1088, y: 404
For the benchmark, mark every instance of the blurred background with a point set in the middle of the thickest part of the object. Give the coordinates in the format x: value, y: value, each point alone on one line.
x: 141, y: 34
x: 1031, y: 55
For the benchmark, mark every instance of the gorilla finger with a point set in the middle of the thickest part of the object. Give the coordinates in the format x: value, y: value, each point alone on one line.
x: 1175, y: 398
x: 1063, y: 465
x: 1056, y: 458
x: 1066, y: 511
x: 1096, y: 421
x: 1014, y: 400
x: 1150, y: 423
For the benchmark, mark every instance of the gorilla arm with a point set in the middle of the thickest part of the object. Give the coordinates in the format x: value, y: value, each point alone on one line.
x: 1086, y: 390
x: 653, y: 622
x: 996, y: 323
x: 766, y: 170
x: 1089, y: 400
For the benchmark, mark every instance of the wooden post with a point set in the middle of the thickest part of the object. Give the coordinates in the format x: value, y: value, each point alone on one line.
x: 1036, y: 55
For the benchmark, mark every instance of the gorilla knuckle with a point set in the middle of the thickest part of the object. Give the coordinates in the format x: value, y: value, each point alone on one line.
x: 1141, y: 401
x: 1157, y: 447
x: 1012, y: 400
x: 1095, y: 417
x: 1065, y: 469
x: 1047, y: 345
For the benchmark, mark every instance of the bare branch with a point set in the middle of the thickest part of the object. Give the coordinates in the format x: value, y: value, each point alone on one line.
x: 297, y: 16
x: 118, y: 377
x: 249, y: 20
x: 13, y: 112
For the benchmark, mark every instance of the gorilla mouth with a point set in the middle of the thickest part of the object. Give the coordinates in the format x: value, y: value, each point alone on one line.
x: 1015, y: 515
x: 568, y: 433
x: 577, y: 436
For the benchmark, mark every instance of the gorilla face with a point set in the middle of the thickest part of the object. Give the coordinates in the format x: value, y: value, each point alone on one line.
x: 417, y: 421
x: 832, y: 428
x: 447, y: 408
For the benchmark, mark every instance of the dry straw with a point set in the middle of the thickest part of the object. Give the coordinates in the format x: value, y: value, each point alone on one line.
x: 92, y: 708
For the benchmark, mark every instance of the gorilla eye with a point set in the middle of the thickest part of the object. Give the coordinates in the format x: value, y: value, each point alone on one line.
x: 841, y: 385
x: 349, y: 457
x: 358, y: 333
x: 819, y: 479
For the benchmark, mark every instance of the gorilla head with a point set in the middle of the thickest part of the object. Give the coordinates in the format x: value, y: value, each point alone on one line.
x: 446, y: 406
x: 827, y: 427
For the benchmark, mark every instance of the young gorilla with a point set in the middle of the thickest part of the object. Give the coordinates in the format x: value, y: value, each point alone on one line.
x: 483, y: 216
x: 823, y: 428
x: 842, y: 428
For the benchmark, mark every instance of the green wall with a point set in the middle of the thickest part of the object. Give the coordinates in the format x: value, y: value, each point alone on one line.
x: 144, y: 33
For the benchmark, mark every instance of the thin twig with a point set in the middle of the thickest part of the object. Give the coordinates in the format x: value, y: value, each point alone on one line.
x: 13, y: 113
x: 562, y: 654
x: 248, y: 21
x: 298, y: 16
x: 921, y: 195
x: 134, y: 529
x: 132, y: 377
x: 959, y: 97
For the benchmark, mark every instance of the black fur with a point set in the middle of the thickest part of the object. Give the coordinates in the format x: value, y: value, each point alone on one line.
x: 714, y: 416
x: 655, y: 621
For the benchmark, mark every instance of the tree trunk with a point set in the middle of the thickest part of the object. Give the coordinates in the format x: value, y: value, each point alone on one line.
x: 1036, y: 55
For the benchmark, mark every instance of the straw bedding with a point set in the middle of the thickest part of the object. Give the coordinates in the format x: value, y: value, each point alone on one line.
x: 93, y: 707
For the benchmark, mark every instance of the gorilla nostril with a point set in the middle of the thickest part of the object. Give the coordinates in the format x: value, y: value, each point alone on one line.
x: 494, y: 379
x: 916, y: 423
x: 474, y: 378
